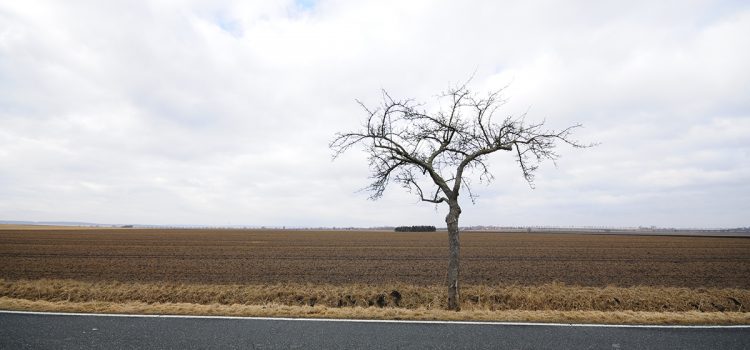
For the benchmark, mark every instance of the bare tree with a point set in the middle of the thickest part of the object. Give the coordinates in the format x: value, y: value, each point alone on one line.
x: 434, y: 154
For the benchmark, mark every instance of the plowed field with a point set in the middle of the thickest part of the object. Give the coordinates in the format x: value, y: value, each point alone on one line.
x: 342, y: 257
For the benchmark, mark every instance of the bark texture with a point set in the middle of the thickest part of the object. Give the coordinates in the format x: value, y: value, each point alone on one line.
x: 454, y: 253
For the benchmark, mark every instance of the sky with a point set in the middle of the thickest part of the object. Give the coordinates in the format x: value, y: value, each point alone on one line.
x: 221, y: 112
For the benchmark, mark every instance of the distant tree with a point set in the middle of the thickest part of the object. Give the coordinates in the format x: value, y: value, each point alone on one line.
x: 415, y: 229
x: 433, y: 154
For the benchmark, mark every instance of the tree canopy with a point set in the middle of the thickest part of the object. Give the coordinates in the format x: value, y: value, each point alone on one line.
x: 404, y: 141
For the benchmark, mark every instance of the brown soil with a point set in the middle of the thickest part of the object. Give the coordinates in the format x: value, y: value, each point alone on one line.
x: 376, y: 258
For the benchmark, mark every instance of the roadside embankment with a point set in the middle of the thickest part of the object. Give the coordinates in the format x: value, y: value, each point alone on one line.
x: 554, y: 302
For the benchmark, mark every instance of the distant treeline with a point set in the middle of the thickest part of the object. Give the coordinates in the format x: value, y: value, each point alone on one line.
x: 415, y: 229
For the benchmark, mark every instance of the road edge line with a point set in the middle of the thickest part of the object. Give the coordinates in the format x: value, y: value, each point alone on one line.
x: 302, y: 319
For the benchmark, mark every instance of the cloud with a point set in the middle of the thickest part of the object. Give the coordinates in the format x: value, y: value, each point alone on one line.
x: 220, y: 112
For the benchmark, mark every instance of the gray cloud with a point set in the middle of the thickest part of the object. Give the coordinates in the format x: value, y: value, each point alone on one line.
x: 220, y: 112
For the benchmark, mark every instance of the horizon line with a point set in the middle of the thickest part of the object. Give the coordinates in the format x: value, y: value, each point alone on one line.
x: 596, y: 228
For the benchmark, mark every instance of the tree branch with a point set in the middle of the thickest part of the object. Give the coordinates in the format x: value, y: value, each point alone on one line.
x: 400, y: 138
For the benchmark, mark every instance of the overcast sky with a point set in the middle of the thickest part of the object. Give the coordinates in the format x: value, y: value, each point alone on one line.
x: 220, y: 112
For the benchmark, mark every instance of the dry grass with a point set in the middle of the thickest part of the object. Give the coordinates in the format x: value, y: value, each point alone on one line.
x: 548, y: 297
x: 275, y: 310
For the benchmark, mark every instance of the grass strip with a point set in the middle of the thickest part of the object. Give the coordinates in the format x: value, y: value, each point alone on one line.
x: 546, y: 297
x: 388, y: 313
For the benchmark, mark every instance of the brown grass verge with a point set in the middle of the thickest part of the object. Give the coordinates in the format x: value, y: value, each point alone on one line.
x: 514, y: 302
x: 275, y: 310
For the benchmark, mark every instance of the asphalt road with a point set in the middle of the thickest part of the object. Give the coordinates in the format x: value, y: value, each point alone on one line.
x: 55, y: 331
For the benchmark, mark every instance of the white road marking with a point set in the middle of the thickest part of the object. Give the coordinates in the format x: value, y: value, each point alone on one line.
x: 375, y: 321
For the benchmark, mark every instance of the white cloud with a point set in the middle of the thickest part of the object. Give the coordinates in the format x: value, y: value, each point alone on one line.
x: 220, y: 112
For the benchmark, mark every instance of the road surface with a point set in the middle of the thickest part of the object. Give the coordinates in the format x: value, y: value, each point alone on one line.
x: 77, y: 331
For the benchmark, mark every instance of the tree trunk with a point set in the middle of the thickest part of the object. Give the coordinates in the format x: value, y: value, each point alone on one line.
x: 454, y: 247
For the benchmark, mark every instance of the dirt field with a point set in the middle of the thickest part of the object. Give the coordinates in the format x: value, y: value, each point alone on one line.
x: 341, y: 257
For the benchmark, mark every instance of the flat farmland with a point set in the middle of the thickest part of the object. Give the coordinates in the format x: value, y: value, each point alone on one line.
x: 372, y: 257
